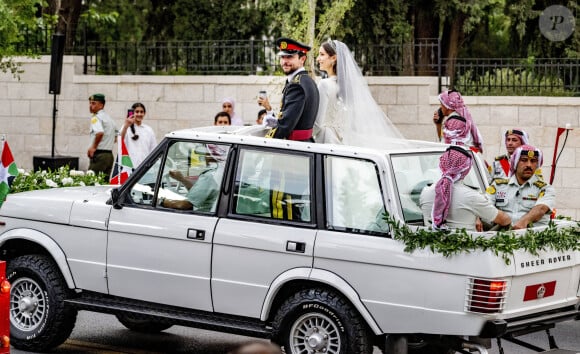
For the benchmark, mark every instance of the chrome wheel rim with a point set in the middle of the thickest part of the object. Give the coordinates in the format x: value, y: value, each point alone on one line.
x: 314, y: 333
x: 28, y: 305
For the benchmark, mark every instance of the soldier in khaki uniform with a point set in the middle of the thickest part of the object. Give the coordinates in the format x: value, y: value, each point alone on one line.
x: 524, y: 195
x: 513, y: 138
x: 450, y: 204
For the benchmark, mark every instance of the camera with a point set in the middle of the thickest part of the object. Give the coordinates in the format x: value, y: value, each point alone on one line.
x: 441, y: 116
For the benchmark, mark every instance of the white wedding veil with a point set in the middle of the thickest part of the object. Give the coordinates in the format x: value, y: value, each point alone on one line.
x: 366, y: 123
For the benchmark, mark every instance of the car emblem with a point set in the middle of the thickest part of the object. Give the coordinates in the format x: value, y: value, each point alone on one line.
x: 541, y: 291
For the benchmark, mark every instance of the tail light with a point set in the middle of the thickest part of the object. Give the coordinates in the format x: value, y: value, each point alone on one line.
x: 4, y: 310
x: 485, y: 295
x: 5, y: 342
x: 5, y: 287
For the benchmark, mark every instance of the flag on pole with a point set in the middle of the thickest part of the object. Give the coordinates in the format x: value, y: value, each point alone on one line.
x: 123, y: 165
x: 8, y: 171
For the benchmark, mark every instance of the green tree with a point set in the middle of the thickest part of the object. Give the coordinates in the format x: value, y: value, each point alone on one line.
x: 15, y: 15
x: 218, y: 20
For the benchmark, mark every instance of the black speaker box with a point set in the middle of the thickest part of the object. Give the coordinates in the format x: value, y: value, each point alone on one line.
x: 57, y: 52
x: 54, y: 162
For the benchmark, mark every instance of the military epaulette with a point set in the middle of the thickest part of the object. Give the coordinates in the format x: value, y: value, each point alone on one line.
x: 501, y: 180
x: 540, y: 184
x: 501, y: 157
x: 296, y: 79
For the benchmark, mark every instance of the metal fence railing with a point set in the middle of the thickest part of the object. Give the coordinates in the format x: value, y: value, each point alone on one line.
x: 243, y: 57
x: 495, y: 76
x: 531, y: 77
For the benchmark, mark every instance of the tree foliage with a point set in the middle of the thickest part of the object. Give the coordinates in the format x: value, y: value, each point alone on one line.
x: 14, y: 15
x: 484, y: 28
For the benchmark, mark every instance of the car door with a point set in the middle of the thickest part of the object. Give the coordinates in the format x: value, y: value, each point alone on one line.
x: 356, y: 243
x: 157, y: 253
x: 270, y: 228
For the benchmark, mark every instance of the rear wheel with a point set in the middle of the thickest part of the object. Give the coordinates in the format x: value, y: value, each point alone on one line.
x: 141, y: 324
x: 320, y: 321
x: 39, y: 318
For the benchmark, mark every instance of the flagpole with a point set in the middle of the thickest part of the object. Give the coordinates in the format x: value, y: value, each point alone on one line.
x: 54, y: 110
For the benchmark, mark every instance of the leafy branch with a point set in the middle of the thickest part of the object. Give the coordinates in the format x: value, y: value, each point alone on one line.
x: 503, y: 244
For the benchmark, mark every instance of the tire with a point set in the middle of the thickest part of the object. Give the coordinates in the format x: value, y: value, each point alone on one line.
x: 320, y: 321
x: 39, y: 318
x: 139, y: 324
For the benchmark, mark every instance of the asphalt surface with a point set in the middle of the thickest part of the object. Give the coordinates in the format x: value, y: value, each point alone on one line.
x: 103, y: 334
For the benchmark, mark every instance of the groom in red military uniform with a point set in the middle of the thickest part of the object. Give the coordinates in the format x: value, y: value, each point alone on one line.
x: 299, y: 97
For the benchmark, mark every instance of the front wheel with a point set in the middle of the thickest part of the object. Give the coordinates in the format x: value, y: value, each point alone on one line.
x: 39, y: 318
x: 320, y: 321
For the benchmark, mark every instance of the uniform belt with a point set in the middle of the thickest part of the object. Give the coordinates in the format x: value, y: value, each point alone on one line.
x: 304, y: 134
x: 103, y: 151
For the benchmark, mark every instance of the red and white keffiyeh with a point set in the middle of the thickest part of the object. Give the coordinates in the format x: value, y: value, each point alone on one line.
x: 454, y: 164
x: 452, y: 100
x: 528, y: 150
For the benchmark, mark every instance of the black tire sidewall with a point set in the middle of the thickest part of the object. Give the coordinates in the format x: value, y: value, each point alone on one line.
x: 305, y: 306
x: 48, y: 333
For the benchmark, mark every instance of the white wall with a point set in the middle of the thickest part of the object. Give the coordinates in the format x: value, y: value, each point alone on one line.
x: 175, y: 102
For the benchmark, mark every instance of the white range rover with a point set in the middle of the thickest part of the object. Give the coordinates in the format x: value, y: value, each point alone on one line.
x: 278, y: 239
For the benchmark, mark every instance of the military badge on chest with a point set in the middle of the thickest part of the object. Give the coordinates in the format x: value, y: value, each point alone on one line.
x: 501, y: 196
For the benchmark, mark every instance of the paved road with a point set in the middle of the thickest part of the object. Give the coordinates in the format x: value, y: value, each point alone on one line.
x: 100, y: 333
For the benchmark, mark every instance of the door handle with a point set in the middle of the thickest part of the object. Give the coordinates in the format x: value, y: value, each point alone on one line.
x: 293, y: 246
x: 196, y: 234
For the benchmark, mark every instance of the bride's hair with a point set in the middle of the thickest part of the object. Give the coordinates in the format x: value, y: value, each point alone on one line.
x: 330, y: 49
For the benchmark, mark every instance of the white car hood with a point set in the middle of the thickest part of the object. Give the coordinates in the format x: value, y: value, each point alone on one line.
x: 82, y: 206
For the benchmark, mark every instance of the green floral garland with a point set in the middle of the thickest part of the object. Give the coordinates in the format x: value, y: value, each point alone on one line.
x: 453, y: 242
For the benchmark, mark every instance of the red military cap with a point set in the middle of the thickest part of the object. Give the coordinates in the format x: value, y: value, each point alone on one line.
x: 289, y: 46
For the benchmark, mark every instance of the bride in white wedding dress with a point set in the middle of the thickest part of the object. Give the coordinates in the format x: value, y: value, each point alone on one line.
x: 347, y: 112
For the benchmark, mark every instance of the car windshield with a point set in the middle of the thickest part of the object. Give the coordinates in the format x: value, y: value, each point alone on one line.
x: 413, y: 172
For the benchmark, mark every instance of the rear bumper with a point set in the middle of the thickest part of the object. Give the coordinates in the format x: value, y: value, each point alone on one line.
x: 528, y: 324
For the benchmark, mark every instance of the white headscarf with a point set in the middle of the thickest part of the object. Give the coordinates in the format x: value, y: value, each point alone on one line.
x: 234, y: 117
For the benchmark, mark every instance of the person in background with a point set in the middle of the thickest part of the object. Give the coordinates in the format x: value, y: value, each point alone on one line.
x: 300, y: 98
x: 450, y: 204
x: 228, y: 106
x: 451, y: 104
x: 139, y: 137
x: 222, y: 118
x: 261, y: 114
x: 513, y: 138
x: 103, y: 133
x: 524, y: 195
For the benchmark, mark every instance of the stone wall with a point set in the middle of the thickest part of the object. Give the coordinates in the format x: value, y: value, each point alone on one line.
x: 175, y: 102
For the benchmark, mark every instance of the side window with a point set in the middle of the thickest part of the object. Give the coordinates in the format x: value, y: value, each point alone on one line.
x: 354, y: 200
x: 273, y: 185
x: 414, y: 172
x: 143, y: 191
x: 191, y: 177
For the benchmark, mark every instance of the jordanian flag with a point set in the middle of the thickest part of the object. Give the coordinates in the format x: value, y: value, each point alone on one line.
x: 123, y: 165
x: 8, y: 172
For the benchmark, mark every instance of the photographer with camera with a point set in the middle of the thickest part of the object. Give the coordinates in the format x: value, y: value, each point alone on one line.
x: 464, y: 133
x: 139, y: 137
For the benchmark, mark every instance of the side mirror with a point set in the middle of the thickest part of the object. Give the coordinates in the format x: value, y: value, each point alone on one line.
x: 116, y: 198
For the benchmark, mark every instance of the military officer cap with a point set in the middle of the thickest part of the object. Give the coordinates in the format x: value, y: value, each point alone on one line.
x: 97, y: 97
x: 289, y: 46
